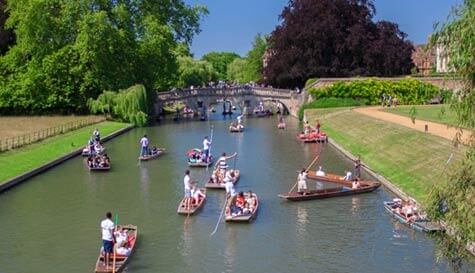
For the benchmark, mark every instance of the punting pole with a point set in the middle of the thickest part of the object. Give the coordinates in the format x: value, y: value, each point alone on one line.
x: 115, y: 250
x: 220, y: 216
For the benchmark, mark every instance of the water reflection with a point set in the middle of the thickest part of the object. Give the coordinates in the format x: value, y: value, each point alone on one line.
x: 230, y: 249
x: 144, y: 181
x: 355, y: 205
x: 302, y: 220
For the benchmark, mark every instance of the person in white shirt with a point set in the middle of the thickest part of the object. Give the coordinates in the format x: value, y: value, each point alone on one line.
x: 302, y: 182
x: 107, y: 227
x: 320, y: 171
x: 144, y: 146
x: 206, y: 145
x: 229, y: 186
x: 197, y: 194
x: 187, y: 185
x: 348, y: 176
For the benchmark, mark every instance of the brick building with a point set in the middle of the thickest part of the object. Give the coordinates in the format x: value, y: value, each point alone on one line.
x: 424, y: 59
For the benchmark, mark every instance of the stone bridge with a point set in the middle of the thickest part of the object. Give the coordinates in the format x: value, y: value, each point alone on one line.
x: 244, y: 98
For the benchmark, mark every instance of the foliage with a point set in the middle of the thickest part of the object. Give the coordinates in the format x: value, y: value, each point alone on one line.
x: 329, y: 103
x: 407, y: 91
x: 69, y: 51
x: 310, y: 81
x: 220, y: 62
x: 250, y: 68
x: 194, y: 72
x: 7, y: 36
x: 454, y: 199
x: 343, y: 41
x: 132, y: 105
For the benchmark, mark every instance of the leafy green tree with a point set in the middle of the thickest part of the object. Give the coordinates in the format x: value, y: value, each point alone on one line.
x: 235, y: 71
x: 454, y: 199
x: 69, y: 51
x: 195, y: 72
x: 220, y: 62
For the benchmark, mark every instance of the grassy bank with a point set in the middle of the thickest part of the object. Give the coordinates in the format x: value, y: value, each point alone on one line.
x: 22, y: 160
x: 439, y: 113
x: 410, y: 159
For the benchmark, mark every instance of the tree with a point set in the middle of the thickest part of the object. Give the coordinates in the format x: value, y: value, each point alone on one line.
x: 70, y: 51
x: 220, y: 62
x: 195, y: 73
x: 249, y: 69
x: 7, y: 37
x: 454, y: 199
x: 330, y: 38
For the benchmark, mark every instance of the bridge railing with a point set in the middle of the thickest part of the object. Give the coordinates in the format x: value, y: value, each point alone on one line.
x: 233, y: 91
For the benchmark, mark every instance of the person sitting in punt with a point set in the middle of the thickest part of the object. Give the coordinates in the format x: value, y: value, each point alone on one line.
x: 121, y: 236
x: 320, y: 171
x: 154, y: 150
x: 98, y: 148
x: 302, y: 182
x: 240, y: 200
x: 355, y: 184
x: 251, y: 201
x: 90, y: 146
x: 348, y: 176
x: 409, y: 211
x: 197, y: 194
x: 90, y: 162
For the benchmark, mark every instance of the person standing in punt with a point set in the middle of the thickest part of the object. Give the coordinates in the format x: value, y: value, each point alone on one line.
x: 302, y: 182
x: 187, y: 186
x: 107, y: 227
x: 318, y: 126
x: 144, y: 146
x: 222, y: 165
x: 357, y: 165
x: 206, y: 145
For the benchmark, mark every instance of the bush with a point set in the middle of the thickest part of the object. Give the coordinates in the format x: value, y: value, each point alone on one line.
x: 407, y: 91
x: 330, y: 103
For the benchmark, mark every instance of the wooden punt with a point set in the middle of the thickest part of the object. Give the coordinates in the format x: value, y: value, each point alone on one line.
x: 152, y: 156
x: 313, y: 137
x: 366, y: 186
x: 194, y: 208
x: 97, y: 169
x: 261, y: 114
x: 243, y: 218
x: 328, y: 177
x: 210, y: 185
x: 236, y: 129
x: 423, y: 225
x: 201, y: 163
x: 120, y: 260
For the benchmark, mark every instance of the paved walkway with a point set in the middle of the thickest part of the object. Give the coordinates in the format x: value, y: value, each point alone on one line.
x: 437, y: 129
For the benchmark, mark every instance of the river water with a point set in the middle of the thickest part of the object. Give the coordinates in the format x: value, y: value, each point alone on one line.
x: 51, y: 222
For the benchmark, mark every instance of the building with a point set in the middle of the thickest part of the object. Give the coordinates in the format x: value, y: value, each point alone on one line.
x: 442, y: 60
x: 424, y: 59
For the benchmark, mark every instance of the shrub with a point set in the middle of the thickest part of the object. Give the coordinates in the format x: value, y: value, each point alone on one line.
x: 407, y: 91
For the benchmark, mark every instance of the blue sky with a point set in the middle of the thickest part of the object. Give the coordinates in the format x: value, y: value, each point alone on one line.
x: 232, y: 24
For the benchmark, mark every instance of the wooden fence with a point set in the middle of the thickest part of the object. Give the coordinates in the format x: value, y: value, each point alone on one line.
x: 26, y: 139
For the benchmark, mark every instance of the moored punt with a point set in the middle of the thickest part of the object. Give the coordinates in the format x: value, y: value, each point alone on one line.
x: 424, y: 225
x: 328, y: 177
x: 194, y: 207
x: 366, y: 186
x: 236, y: 129
x: 152, y: 156
x: 246, y: 218
x: 313, y: 137
x: 120, y: 260
x: 213, y: 185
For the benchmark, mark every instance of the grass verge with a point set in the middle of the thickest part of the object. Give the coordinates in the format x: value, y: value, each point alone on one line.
x: 22, y: 160
x: 439, y: 113
x: 410, y: 159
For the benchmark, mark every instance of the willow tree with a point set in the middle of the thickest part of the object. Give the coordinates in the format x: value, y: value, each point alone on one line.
x: 69, y: 51
x: 454, y: 199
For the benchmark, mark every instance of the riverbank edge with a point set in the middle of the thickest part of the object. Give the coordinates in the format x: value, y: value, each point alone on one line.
x: 470, y: 247
x: 23, y: 177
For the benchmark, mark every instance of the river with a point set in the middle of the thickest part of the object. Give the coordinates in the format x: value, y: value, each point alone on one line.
x: 51, y: 222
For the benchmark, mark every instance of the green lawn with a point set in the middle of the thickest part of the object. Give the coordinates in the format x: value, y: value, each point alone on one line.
x: 22, y: 160
x: 437, y: 113
x: 410, y: 159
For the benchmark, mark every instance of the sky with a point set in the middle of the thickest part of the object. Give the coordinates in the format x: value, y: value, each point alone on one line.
x: 231, y: 25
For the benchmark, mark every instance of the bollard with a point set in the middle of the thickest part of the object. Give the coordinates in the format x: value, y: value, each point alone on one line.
x: 426, y: 128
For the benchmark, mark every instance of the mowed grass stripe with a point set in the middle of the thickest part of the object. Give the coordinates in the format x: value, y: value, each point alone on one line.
x: 412, y: 160
x: 439, y: 113
x: 19, y: 161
